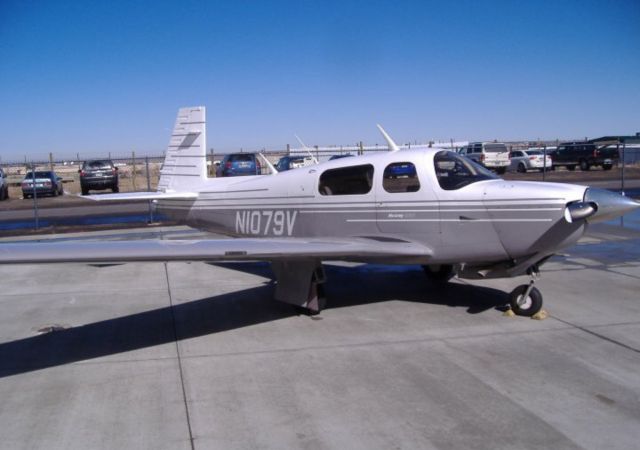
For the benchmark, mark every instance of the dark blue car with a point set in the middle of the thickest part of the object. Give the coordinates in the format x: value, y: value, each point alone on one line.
x: 238, y: 164
x: 400, y: 170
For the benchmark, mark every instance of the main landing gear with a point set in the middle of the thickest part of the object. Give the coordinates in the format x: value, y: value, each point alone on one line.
x: 526, y: 300
x: 440, y: 273
x: 300, y: 283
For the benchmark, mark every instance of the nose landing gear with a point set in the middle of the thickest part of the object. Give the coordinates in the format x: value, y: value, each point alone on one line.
x: 526, y: 300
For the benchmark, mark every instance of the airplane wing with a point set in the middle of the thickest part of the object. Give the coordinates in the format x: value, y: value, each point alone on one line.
x: 266, y: 249
x: 142, y: 196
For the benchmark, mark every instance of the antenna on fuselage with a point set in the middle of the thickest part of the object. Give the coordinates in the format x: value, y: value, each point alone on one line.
x: 304, y: 146
x: 392, y: 145
x: 273, y: 169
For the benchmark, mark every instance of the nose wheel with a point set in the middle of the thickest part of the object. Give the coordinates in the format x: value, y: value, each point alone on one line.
x: 525, y: 300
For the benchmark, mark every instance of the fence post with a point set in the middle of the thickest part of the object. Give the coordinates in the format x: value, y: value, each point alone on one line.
x: 544, y: 163
x: 360, y: 148
x: 624, y: 145
x: 133, y: 170
x: 288, y: 150
x: 146, y: 162
x: 35, y: 195
x: 51, y: 161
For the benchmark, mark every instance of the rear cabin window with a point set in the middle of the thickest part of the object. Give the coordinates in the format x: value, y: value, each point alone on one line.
x: 495, y: 148
x: 400, y: 177
x: 96, y: 164
x: 454, y: 172
x: 354, y: 180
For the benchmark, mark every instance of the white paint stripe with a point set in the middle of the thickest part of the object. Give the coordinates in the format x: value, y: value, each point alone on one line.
x: 352, y: 211
x: 449, y: 220
x: 429, y: 210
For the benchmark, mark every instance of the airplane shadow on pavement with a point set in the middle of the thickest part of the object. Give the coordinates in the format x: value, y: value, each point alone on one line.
x: 346, y: 287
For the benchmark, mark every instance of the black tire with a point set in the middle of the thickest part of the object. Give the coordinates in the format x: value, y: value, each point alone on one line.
x: 439, y: 273
x: 607, y: 166
x: 6, y: 193
x: 115, y: 189
x: 501, y: 170
x: 85, y: 191
x: 584, y: 165
x: 522, y: 168
x: 3, y: 194
x: 571, y: 167
x: 54, y: 193
x: 525, y: 307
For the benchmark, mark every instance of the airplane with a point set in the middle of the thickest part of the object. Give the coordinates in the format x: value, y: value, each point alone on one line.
x: 426, y: 206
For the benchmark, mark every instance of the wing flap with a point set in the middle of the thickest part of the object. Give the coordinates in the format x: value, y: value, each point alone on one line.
x: 209, y: 250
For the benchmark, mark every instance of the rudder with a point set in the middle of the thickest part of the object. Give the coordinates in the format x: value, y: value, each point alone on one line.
x: 185, y: 163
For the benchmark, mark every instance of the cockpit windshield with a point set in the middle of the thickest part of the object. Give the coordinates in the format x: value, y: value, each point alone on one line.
x: 454, y: 171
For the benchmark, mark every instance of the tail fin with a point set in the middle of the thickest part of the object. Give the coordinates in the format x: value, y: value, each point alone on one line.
x: 185, y: 164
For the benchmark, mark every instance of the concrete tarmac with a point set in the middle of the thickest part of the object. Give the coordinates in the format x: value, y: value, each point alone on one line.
x: 195, y: 355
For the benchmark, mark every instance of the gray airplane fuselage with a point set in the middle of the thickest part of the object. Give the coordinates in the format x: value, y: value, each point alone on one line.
x: 487, y: 221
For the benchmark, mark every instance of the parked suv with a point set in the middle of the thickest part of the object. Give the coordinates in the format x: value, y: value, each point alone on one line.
x: 4, y: 186
x: 47, y: 183
x: 235, y: 164
x: 492, y: 155
x: 98, y: 174
x: 585, y: 155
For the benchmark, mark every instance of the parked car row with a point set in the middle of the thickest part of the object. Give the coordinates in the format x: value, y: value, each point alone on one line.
x: 495, y: 156
x: 103, y: 174
x: 94, y: 175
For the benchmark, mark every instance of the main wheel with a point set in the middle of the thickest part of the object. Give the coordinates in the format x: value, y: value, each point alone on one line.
x: 115, y: 188
x: 525, y: 306
x: 85, y: 191
x: 584, y: 165
x: 439, y: 273
x: 521, y: 168
x: 571, y: 167
x: 607, y: 166
x: 501, y: 170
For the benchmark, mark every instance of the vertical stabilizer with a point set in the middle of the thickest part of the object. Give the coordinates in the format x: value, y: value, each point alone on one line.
x: 185, y: 164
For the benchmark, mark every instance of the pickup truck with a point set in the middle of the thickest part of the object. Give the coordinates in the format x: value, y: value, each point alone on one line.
x: 585, y: 155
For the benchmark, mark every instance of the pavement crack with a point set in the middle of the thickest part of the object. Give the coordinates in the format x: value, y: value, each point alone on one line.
x: 598, y: 335
x: 180, y: 368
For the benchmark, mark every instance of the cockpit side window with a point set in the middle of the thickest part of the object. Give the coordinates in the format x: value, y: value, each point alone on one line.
x: 400, y: 177
x: 454, y: 172
x: 353, y: 180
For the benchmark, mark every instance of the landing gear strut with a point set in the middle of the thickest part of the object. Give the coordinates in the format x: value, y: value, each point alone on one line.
x: 440, y: 273
x: 526, y: 300
x: 300, y: 283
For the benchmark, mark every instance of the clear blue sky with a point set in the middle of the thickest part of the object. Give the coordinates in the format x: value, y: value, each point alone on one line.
x: 95, y: 77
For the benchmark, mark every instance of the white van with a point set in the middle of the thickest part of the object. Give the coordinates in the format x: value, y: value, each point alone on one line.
x: 492, y: 155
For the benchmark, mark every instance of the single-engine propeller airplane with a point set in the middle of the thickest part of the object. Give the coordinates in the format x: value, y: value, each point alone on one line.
x: 423, y: 206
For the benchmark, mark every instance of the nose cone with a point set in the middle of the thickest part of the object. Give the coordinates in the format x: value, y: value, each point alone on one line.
x: 609, y: 205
